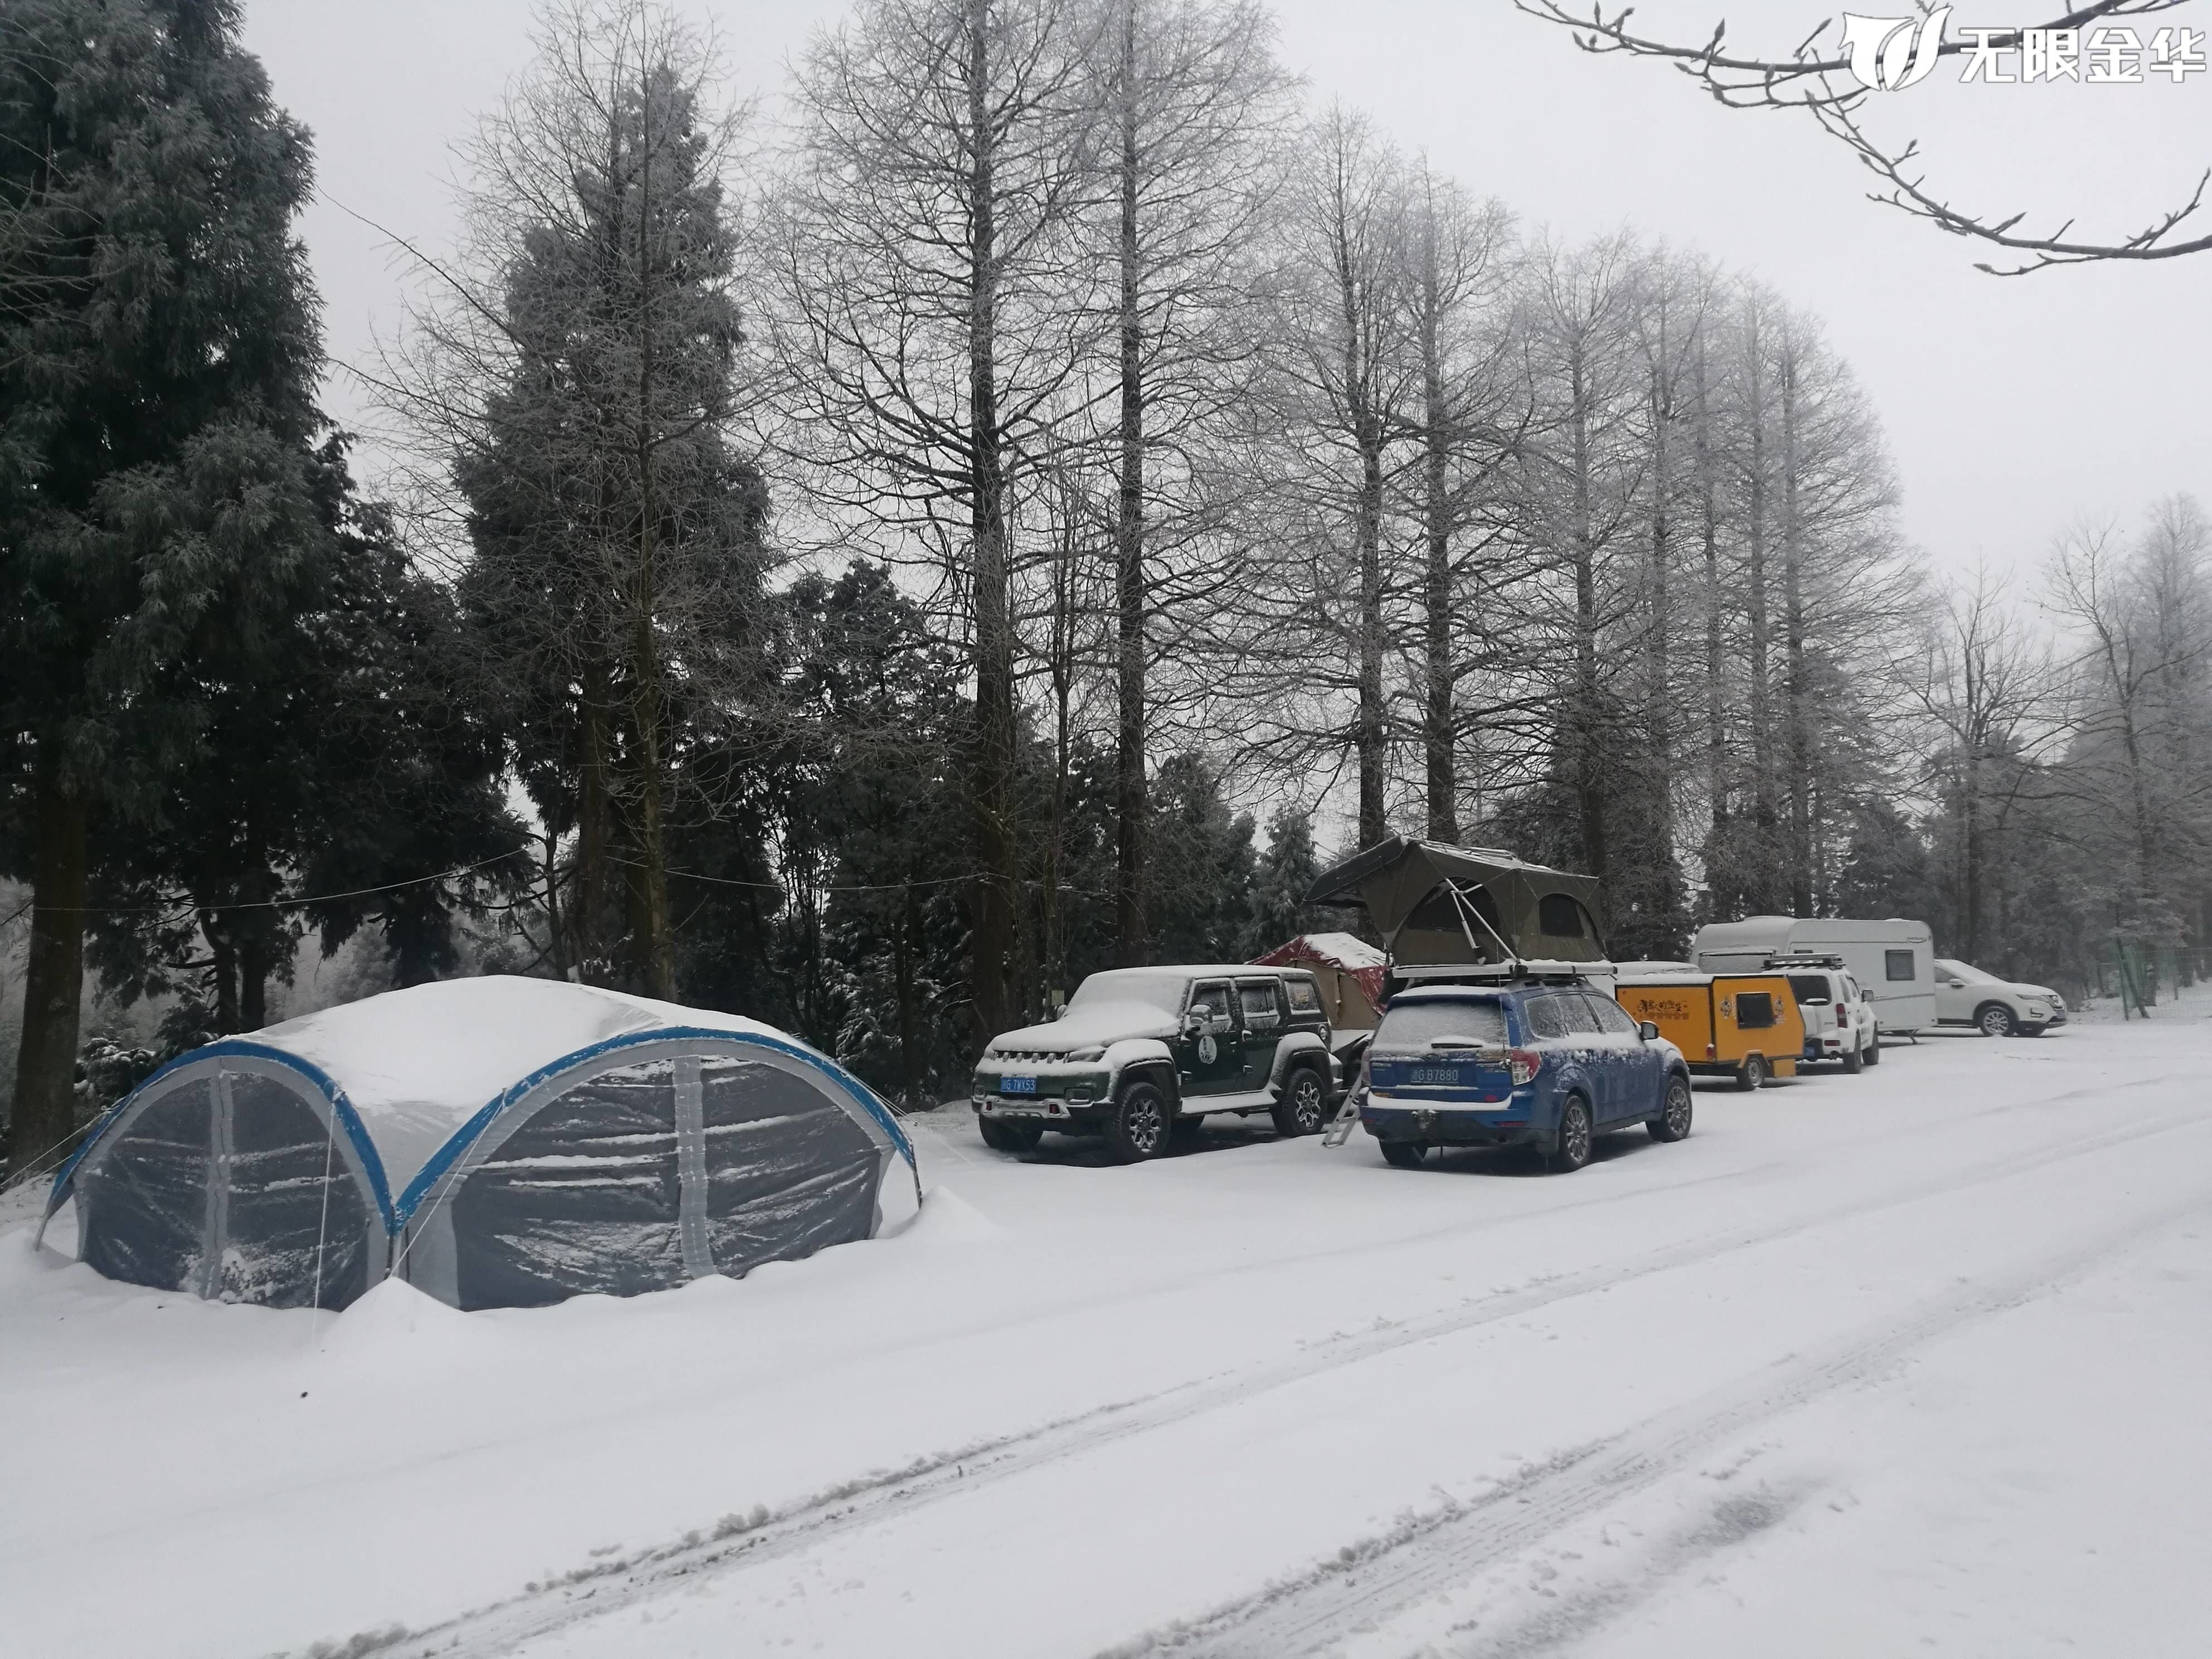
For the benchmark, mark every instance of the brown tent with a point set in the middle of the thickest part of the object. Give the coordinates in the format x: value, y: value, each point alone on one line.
x: 1349, y: 970
x: 1439, y: 905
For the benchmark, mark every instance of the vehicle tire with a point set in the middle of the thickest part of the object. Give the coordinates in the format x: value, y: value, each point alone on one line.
x: 1872, y: 1053
x: 1994, y: 1020
x: 1405, y: 1154
x: 1853, y: 1063
x: 1140, y: 1123
x: 1754, y: 1072
x: 1673, y: 1122
x: 1304, y: 1108
x: 1009, y: 1135
x: 1570, y: 1146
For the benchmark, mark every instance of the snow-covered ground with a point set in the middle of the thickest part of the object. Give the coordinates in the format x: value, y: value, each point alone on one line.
x: 1914, y: 1361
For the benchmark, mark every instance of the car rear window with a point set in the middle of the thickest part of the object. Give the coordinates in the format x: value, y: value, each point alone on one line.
x: 1809, y: 987
x: 1414, y: 1025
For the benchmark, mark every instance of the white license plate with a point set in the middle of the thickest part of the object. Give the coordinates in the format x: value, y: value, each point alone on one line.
x: 1017, y: 1085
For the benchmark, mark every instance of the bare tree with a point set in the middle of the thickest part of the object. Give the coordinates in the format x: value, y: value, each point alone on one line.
x: 932, y: 323
x: 1815, y: 79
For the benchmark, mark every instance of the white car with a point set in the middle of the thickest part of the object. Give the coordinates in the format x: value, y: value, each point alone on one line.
x: 1965, y: 995
x: 1839, y: 1017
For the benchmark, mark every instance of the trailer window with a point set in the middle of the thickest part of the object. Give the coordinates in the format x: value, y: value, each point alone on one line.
x: 1755, y: 1010
x: 1559, y: 916
x: 1898, y: 966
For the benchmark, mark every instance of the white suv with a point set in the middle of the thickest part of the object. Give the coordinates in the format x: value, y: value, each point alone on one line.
x: 1839, y: 1019
x: 1965, y: 995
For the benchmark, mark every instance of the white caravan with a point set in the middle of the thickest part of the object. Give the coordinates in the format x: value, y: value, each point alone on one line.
x: 1892, y: 960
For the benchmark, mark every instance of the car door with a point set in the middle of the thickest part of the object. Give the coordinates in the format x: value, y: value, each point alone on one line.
x: 1637, y: 1068
x: 1259, y: 1007
x: 1954, y: 998
x: 1592, y: 1048
x: 1206, y: 1050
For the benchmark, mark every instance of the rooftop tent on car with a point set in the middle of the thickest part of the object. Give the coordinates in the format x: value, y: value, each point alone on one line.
x: 498, y: 1142
x: 1439, y: 905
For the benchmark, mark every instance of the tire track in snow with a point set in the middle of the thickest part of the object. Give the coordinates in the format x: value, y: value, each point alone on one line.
x: 882, y: 1497
x: 1371, y: 1579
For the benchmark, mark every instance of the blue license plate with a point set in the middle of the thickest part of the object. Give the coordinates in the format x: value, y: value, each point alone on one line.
x: 1441, y: 1077
x: 1017, y: 1085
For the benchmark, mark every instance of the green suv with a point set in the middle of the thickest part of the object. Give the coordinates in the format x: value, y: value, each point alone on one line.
x: 1140, y: 1050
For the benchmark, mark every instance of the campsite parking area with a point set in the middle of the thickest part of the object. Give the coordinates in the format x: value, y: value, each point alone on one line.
x: 1909, y: 1361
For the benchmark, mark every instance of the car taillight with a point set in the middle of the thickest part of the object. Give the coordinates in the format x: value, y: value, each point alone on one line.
x: 1526, y: 1063
x: 1712, y: 1051
x: 1842, y: 1018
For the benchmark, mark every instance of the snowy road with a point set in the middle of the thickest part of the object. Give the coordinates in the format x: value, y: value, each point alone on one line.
x: 1910, y: 1361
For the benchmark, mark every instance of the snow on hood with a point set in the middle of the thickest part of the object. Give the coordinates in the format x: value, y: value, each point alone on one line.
x: 418, y: 1063
x: 1102, y: 1022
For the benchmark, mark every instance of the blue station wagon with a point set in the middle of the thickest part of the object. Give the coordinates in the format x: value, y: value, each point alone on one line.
x: 1547, y: 1065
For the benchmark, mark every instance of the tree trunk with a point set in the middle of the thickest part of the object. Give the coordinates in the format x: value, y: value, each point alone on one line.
x: 1437, y: 733
x: 1763, y: 893
x: 1798, y: 736
x: 53, y: 978
x: 1665, y: 901
x: 996, y: 736
x: 659, y: 941
x: 1584, y: 721
x: 1129, y: 588
x: 1715, y: 704
x: 594, y: 808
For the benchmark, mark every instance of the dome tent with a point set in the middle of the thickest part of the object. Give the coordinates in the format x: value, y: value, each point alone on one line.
x: 497, y: 1142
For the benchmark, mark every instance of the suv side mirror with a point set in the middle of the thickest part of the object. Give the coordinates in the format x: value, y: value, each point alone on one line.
x: 1647, y: 1031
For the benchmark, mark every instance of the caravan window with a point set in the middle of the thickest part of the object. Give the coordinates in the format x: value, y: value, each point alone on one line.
x: 1898, y: 966
x: 1558, y: 916
x: 1755, y: 1010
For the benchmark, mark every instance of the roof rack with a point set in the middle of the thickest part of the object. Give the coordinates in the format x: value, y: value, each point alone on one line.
x: 1805, y: 959
x: 1520, y: 971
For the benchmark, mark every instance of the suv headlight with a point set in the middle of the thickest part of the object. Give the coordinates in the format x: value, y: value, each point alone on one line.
x: 1096, y: 1051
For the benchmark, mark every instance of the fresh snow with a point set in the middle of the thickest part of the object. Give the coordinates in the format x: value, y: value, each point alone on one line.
x: 1909, y: 1362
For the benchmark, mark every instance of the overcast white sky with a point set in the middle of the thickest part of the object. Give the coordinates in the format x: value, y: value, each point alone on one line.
x: 2010, y: 405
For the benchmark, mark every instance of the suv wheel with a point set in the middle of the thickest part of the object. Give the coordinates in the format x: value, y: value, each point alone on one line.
x: 1872, y: 1053
x: 1754, y: 1072
x: 1571, y: 1147
x: 1405, y: 1154
x: 1673, y: 1122
x: 1994, y: 1020
x: 1852, y: 1060
x: 1003, y: 1134
x: 1140, y: 1123
x: 1304, y: 1108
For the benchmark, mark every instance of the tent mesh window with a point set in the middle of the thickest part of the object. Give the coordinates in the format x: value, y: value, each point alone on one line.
x: 788, y: 1171
x: 281, y: 1241
x: 583, y: 1196
x: 142, y: 1199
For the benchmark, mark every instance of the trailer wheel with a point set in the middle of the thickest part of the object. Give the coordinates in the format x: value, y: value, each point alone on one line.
x: 1754, y: 1072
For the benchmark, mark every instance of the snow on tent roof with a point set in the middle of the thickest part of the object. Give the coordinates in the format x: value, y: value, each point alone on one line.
x: 418, y: 1063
